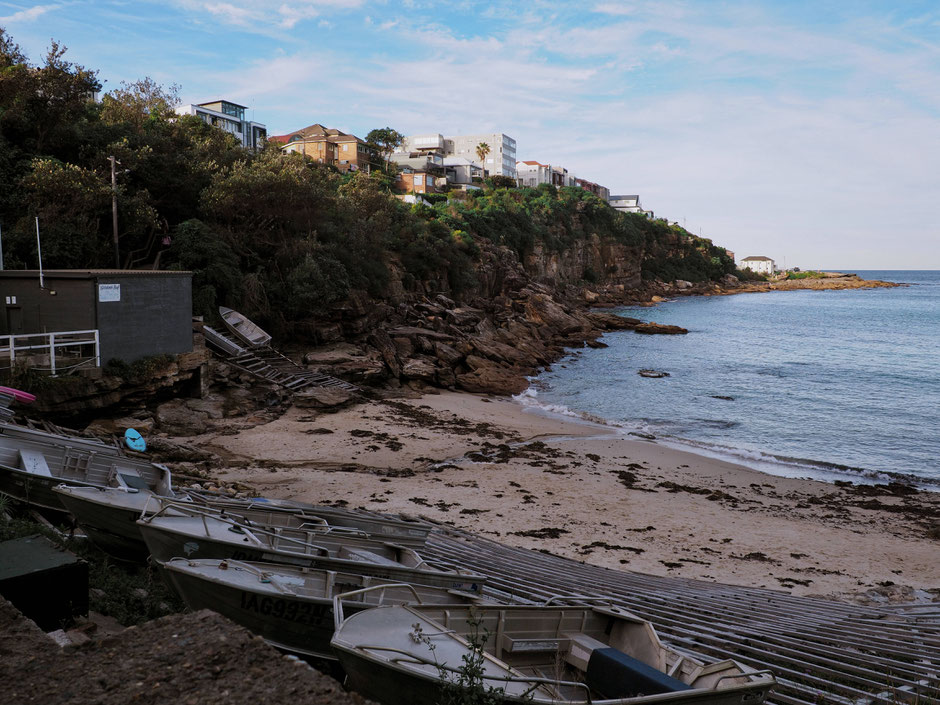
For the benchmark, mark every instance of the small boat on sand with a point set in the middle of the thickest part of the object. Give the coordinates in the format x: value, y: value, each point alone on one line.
x: 109, y: 515
x: 291, y: 607
x: 190, y: 533
x: 405, y: 655
x: 402, y: 531
x: 33, y: 462
x: 244, y: 329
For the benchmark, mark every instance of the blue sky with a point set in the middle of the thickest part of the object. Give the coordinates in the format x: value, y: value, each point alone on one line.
x: 804, y: 131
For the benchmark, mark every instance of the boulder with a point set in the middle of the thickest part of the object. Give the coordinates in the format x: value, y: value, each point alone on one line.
x: 682, y: 284
x: 323, y: 398
x: 446, y: 354
x: 332, y: 355
x: 493, y: 380
x: 659, y: 329
x: 495, y: 350
x: 177, y: 419
x: 653, y: 374
x: 611, y: 321
x: 116, y: 427
x: 366, y: 370
x: 543, y: 310
x: 463, y: 317
x: 422, y: 368
x: 381, y: 341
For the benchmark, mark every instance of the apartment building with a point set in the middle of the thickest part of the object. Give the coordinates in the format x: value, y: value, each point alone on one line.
x: 500, y: 161
x: 230, y: 117
x: 596, y: 189
x: 328, y: 145
x: 419, y: 172
x: 628, y: 204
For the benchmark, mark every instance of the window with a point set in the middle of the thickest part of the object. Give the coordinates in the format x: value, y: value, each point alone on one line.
x: 419, y: 179
x: 345, y: 147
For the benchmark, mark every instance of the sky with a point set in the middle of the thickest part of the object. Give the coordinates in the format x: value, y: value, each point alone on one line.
x: 805, y: 131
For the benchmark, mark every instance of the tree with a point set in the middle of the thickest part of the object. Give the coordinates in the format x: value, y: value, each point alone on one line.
x: 44, y: 105
x: 482, y: 150
x: 385, y: 140
x: 139, y: 102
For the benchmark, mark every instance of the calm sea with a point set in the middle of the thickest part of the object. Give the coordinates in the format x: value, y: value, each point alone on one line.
x: 824, y: 384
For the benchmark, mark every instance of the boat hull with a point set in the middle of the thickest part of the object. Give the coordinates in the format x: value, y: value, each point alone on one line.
x: 373, y: 680
x: 300, y: 626
x: 35, y: 490
x: 111, y: 528
x: 164, y: 543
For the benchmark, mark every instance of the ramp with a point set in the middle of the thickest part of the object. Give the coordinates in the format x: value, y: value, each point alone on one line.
x: 268, y: 364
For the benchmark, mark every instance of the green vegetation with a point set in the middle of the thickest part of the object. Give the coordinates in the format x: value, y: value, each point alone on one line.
x: 140, y: 370
x: 275, y: 235
x: 808, y: 274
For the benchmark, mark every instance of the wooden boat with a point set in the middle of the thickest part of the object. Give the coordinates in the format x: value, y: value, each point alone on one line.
x: 243, y: 329
x: 290, y: 607
x: 405, y: 655
x: 206, y: 534
x: 33, y: 462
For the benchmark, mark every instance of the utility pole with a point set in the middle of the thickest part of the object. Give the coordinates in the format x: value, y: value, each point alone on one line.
x: 114, y: 223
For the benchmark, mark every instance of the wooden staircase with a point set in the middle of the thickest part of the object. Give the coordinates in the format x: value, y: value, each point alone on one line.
x: 268, y: 364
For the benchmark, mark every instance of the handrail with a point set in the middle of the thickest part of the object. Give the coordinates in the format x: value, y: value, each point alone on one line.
x: 535, y: 681
x: 66, y: 339
x: 338, y: 599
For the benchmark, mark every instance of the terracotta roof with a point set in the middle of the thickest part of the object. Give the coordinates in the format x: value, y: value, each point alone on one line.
x: 278, y: 138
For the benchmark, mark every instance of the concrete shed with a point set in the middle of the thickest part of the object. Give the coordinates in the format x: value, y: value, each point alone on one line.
x: 136, y: 313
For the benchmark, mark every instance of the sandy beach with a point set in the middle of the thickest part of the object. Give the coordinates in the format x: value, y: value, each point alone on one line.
x: 583, y: 491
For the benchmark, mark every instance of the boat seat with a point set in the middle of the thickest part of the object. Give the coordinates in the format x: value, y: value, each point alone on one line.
x: 358, y: 554
x: 614, y: 674
x: 35, y: 462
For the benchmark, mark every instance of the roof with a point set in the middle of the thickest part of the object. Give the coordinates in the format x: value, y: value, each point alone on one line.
x: 88, y: 273
x: 531, y: 163
x: 221, y: 100
x: 625, y: 198
x: 317, y: 133
x: 757, y: 259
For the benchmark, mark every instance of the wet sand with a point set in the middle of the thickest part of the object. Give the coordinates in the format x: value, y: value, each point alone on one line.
x: 583, y: 491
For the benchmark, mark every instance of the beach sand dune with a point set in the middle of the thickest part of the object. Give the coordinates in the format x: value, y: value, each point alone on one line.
x: 583, y: 491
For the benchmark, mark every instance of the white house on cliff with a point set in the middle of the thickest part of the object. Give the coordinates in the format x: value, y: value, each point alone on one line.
x: 761, y: 265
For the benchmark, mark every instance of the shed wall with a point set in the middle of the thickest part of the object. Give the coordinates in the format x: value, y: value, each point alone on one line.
x: 154, y: 316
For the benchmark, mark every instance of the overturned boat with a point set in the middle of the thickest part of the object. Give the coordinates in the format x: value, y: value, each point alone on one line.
x: 188, y: 532
x: 406, y: 655
x: 291, y: 607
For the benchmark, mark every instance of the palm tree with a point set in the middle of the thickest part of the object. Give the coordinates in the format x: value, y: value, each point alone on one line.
x: 482, y: 150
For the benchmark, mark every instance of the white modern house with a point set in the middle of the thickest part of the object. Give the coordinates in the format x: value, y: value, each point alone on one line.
x: 532, y: 173
x: 761, y: 265
x: 230, y: 117
x: 501, y: 159
x: 628, y: 204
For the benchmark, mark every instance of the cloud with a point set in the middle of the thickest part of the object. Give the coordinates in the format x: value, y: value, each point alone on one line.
x: 29, y: 15
x: 263, y: 15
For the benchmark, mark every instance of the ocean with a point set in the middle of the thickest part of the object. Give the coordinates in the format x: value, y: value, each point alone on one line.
x: 823, y: 384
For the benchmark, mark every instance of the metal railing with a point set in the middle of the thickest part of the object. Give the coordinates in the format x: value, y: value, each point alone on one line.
x: 66, y: 350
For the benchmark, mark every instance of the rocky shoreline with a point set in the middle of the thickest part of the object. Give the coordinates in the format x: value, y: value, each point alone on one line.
x: 493, y: 345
